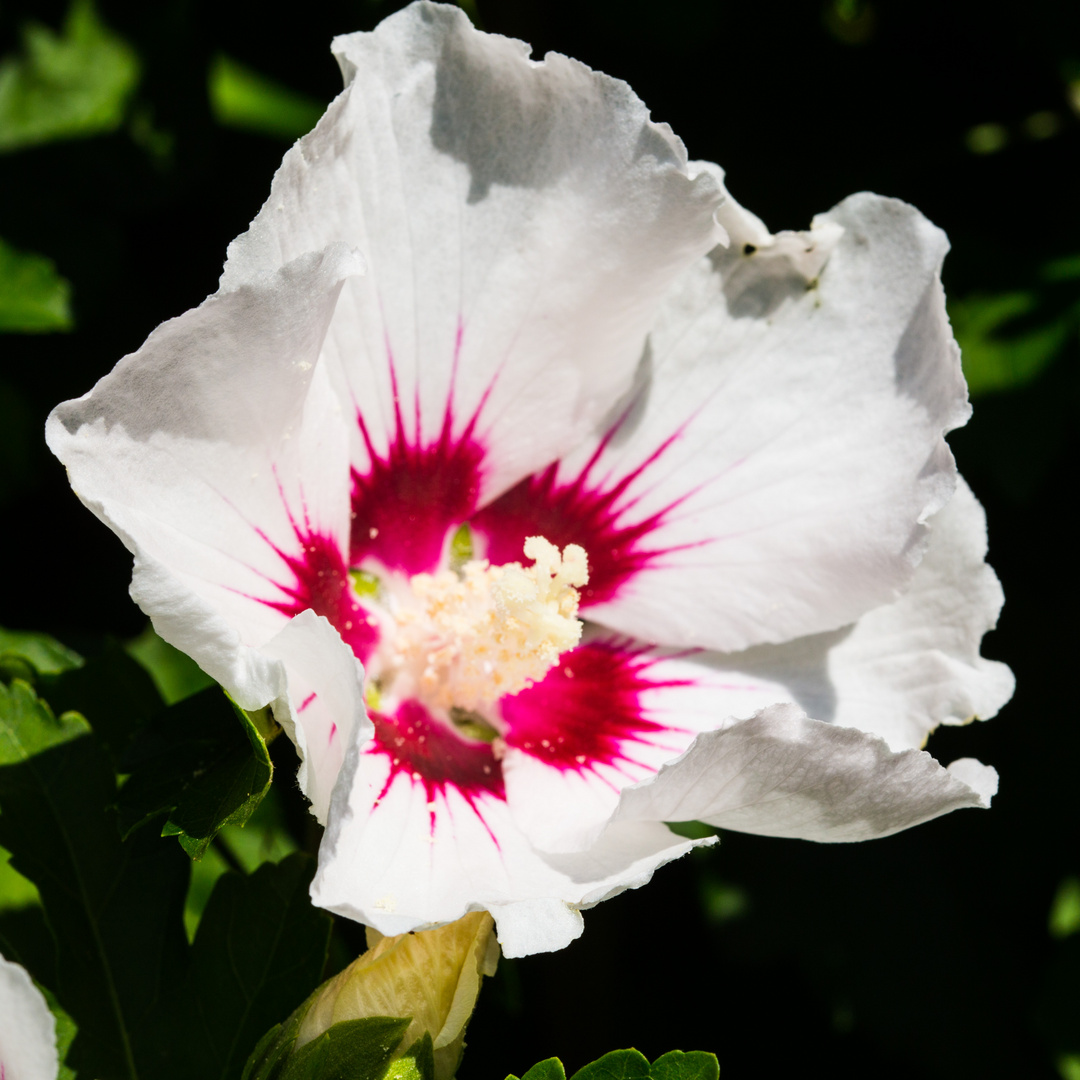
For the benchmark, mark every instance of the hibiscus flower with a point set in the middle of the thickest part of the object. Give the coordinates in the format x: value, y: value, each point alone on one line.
x: 547, y: 497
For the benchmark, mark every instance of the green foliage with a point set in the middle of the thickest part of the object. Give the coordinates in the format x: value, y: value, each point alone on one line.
x: 34, y: 298
x: 175, y: 674
x: 350, y: 1050
x: 680, y: 1065
x: 1065, y: 910
x: 616, y: 1065
x: 259, y: 952
x: 40, y: 651
x: 633, y: 1065
x: 242, y: 98
x: 195, y: 764
x: 996, y: 354
x: 112, y: 691
x: 106, y: 902
x: 66, y: 85
x: 549, y: 1069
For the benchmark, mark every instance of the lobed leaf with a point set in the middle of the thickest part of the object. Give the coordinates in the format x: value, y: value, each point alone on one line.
x: 106, y: 902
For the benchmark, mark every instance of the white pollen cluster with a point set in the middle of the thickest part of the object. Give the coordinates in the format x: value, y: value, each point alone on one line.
x: 493, y: 630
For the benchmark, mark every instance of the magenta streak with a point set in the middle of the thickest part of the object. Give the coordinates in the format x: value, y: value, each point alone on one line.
x: 409, y: 497
x: 333, y: 732
x: 587, y: 711
x: 579, y: 513
x: 321, y: 582
x: 307, y: 701
x: 424, y: 751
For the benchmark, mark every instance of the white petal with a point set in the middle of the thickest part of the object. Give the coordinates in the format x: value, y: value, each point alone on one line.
x: 520, y: 219
x: 399, y: 858
x: 610, y: 715
x: 27, y: 1028
x: 323, y: 708
x: 772, y: 472
x: 782, y: 774
x: 219, y: 455
x: 908, y: 666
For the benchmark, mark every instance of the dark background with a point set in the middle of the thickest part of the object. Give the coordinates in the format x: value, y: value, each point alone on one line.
x: 925, y: 954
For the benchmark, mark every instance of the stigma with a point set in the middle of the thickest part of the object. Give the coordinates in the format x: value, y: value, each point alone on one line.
x: 467, y: 638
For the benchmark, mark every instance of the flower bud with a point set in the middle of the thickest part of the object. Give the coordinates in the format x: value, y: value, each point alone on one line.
x: 432, y: 976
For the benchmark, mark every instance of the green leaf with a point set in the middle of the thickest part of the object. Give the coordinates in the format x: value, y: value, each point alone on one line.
x: 195, y: 763
x: 28, y: 726
x: 350, y: 1050
x: 999, y: 352
x: 106, y: 902
x: 618, y: 1065
x: 66, y: 85
x: 16, y: 892
x: 549, y: 1069
x: 112, y: 691
x: 693, y: 1065
x: 242, y: 98
x: 175, y: 674
x: 34, y: 298
x: 45, y: 654
x: 259, y: 952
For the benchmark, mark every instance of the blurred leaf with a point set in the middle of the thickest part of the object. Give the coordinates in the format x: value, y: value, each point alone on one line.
x: 106, y: 902
x: 242, y: 98
x: 196, y: 764
x: 618, y: 1065
x: 994, y: 358
x: 676, y: 1065
x: 175, y: 674
x: 66, y: 85
x: 43, y: 653
x: 259, y: 952
x: 1064, y: 269
x: 1065, y: 909
x: 34, y: 298
x: 1068, y: 1066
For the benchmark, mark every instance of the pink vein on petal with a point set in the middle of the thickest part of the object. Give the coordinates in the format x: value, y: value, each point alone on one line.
x: 407, y: 498
x: 588, y: 711
x: 424, y: 751
x: 307, y: 701
x: 581, y: 511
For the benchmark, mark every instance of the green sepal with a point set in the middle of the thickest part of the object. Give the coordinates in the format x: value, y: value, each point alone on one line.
x: 196, y: 763
x: 349, y: 1050
x: 617, y: 1065
x: 688, y: 1065
x: 417, y: 1063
